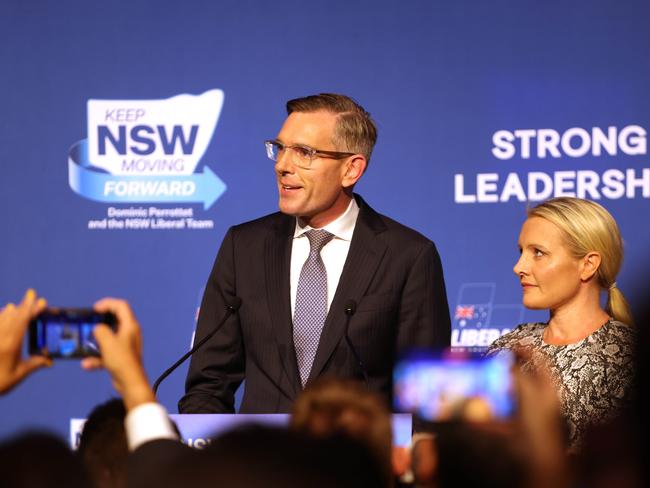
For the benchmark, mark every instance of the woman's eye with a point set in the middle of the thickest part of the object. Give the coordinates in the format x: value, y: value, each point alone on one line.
x: 538, y: 253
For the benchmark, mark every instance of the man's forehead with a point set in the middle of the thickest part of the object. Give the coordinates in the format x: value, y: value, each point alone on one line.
x: 319, y: 118
x: 304, y: 127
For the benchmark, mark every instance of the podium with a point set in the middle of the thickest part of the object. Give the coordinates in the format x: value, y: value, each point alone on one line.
x: 197, y: 430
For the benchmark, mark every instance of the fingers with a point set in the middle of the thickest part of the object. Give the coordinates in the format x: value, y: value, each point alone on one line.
x: 32, y: 304
x: 29, y: 298
x: 116, y: 351
x: 39, y: 306
x: 33, y: 363
x: 121, y: 309
x: 14, y: 321
x: 105, y: 337
x: 90, y: 364
x: 120, y: 356
x: 106, y: 341
x: 128, y: 329
x: 29, y: 307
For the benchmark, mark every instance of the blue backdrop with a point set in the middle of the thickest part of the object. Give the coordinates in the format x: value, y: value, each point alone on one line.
x: 480, y: 106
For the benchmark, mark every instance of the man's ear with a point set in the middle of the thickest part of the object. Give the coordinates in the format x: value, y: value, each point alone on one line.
x: 353, y: 170
x: 590, y: 264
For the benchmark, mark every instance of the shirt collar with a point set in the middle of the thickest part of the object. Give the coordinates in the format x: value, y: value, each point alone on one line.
x: 342, y: 227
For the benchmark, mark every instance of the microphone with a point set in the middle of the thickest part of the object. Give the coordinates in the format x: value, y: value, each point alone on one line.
x: 231, y: 308
x: 350, y: 309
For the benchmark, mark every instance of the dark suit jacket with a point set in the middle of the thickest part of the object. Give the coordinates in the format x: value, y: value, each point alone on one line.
x: 393, y: 274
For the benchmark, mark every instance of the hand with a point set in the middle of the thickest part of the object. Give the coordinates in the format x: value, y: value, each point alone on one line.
x: 121, y: 354
x: 424, y: 459
x: 14, y: 321
x: 540, y: 424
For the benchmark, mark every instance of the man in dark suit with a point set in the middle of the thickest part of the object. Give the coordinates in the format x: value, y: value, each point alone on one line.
x: 328, y: 285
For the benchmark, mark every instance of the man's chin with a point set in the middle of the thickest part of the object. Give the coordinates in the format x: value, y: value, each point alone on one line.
x: 288, y: 209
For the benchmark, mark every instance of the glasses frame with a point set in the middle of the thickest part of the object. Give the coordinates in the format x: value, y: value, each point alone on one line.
x: 311, y: 152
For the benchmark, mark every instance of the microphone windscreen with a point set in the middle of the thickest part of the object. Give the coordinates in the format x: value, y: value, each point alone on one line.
x: 234, y: 304
x: 350, y: 307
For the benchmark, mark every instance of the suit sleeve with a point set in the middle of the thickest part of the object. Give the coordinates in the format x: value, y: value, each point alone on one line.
x: 217, y: 369
x: 424, y: 320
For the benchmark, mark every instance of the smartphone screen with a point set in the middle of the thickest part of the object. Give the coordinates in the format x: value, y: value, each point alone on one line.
x: 446, y: 387
x: 66, y: 332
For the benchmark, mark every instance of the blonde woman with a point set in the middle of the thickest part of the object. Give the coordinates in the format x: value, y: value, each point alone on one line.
x: 571, y: 252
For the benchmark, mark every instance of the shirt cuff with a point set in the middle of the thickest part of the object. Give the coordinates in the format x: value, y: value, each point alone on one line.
x: 148, y: 422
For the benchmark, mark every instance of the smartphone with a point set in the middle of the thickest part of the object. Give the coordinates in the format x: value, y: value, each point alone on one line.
x: 455, y: 386
x: 67, y: 332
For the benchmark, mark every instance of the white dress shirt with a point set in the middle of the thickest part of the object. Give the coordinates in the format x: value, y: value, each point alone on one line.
x: 334, y: 253
x: 148, y: 422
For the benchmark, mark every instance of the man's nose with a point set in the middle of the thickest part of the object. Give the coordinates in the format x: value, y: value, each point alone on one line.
x: 283, y: 162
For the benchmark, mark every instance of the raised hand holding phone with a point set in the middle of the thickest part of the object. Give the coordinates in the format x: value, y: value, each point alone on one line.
x: 14, y: 321
x: 121, y: 353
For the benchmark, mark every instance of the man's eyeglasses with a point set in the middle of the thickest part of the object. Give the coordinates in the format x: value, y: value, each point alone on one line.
x: 301, y: 156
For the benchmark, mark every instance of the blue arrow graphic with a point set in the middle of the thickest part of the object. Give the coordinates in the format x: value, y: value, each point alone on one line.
x: 96, y: 184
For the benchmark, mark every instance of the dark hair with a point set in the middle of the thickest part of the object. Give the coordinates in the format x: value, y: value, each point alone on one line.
x: 103, y: 446
x: 257, y: 455
x: 39, y: 460
x: 355, y: 130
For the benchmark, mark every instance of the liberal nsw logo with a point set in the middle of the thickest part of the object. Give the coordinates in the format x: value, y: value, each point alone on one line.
x: 148, y: 151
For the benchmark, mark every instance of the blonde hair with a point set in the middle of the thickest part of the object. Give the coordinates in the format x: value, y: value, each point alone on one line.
x: 588, y: 227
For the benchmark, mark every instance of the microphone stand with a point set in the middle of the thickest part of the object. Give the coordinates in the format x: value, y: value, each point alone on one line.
x: 231, y: 309
x: 350, y: 309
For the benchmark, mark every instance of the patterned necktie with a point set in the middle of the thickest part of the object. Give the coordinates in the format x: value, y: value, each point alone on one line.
x: 311, y: 303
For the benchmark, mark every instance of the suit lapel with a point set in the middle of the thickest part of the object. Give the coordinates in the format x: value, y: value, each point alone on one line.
x: 277, y: 262
x: 364, y: 256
